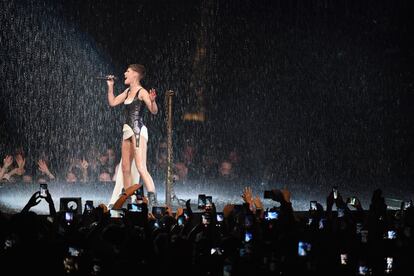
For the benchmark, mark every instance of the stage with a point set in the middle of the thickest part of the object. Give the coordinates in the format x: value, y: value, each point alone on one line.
x: 13, y: 196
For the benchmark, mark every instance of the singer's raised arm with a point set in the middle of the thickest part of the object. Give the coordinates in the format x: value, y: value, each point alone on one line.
x: 149, y: 100
x: 112, y: 100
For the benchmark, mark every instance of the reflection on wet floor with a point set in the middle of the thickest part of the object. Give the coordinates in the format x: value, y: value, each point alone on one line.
x: 14, y: 196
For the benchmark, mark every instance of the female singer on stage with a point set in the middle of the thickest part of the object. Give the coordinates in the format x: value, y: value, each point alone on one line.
x: 135, y: 133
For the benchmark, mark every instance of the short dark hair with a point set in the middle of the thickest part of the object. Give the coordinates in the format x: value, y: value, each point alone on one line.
x: 138, y: 68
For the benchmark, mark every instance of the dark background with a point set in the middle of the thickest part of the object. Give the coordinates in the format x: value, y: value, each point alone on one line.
x: 305, y: 90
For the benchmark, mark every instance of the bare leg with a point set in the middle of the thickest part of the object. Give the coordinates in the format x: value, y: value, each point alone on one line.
x: 127, y: 155
x: 141, y: 163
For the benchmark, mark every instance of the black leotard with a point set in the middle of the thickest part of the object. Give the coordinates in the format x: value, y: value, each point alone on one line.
x: 134, y: 115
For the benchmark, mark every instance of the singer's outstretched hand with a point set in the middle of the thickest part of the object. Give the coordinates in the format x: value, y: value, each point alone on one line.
x: 152, y: 94
x: 111, y: 79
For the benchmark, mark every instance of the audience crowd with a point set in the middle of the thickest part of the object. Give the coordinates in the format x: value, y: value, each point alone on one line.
x: 242, y: 239
x: 239, y: 240
x: 102, y: 166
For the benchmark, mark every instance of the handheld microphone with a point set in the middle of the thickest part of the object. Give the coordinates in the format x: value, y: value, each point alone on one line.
x: 106, y: 78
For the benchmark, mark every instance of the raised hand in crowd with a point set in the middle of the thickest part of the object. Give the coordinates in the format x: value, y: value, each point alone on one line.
x: 16, y: 171
x: 33, y: 201
x: 7, y: 161
x: 258, y: 203
x: 20, y: 164
x: 180, y: 212
x: 254, y: 202
x: 188, y: 208
x: 36, y: 198
x: 247, y: 196
x: 282, y: 196
x: 354, y: 202
x: 49, y: 200
x: 45, y: 169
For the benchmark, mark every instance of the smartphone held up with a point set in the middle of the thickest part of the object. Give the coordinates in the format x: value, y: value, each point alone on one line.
x: 43, y: 190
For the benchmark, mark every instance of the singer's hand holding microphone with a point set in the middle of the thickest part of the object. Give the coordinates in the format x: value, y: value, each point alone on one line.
x: 110, y: 79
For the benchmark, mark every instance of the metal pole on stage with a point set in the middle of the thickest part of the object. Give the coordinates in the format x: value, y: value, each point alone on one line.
x: 169, y: 180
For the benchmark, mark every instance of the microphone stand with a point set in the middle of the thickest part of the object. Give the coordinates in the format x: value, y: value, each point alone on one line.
x: 170, y: 178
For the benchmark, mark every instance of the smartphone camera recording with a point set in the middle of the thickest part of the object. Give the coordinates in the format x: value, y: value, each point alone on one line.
x: 180, y: 220
x: 201, y: 201
x: 43, y: 190
x: 133, y: 207
x: 74, y: 252
x: 390, y: 235
x: 69, y: 217
x: 407, y: 204
x: 335, y: 192
x: 364, y: 270
x: 139, y: 193
x: 248, y: 236
x: 271, y: 215
x: 388, y: 265
x: 88, y: 206
x: 344, y: 259
x: 216, y: 251
x: 304, y: 248
x: 116, y: 213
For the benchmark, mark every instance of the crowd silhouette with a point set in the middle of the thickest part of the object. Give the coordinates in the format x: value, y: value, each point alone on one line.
x: 241, y: 239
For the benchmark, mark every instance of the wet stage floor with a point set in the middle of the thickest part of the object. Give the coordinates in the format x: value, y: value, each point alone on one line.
x: 13, y: 196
